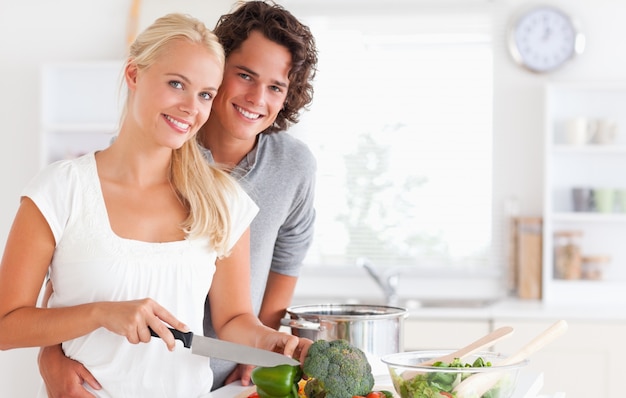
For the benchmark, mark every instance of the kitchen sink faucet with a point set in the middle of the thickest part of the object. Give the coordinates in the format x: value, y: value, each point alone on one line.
x: 387, y: 280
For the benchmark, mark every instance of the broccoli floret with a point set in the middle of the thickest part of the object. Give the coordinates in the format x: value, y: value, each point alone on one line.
x: 336, y: 369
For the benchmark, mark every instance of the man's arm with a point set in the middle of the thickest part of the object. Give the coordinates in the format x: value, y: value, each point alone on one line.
x: 277, y: 297
x: 63, y: 376
x: 294, y: 239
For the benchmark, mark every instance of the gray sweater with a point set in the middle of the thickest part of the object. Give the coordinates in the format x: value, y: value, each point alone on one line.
x: 279, y: 175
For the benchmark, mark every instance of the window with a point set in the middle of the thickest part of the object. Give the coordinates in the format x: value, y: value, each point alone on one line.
x: 401, y: 125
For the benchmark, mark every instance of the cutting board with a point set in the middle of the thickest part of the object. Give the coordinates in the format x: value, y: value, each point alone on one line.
x: 246, y: 392
x: 249, y: 390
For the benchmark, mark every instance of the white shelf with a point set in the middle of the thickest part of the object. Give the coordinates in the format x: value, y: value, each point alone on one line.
x: 81, y: 107
x: 589, y: 149
x: 81, y: 128
x: 592, y: 166
x: 569, y: 217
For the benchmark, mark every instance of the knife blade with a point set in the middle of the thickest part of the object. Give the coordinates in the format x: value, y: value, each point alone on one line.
x: 239, y: 353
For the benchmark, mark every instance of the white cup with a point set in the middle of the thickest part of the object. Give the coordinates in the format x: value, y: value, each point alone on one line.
x: 606, y: 132
x: 579, y: 130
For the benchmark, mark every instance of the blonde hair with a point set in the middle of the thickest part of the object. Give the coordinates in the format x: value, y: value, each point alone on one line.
x: 205, y: 190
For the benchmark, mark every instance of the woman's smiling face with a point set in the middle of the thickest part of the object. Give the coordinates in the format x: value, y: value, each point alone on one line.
x: 172, y: 98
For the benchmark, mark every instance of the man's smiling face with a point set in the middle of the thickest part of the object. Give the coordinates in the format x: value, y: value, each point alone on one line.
x: 254, y: 88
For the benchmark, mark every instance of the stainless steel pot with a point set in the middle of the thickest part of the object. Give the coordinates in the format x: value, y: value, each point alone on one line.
x: 375, y: 329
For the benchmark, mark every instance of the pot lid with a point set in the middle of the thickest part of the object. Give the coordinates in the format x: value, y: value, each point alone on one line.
x: 346, y: 311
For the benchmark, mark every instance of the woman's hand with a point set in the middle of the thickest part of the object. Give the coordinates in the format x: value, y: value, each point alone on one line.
x: 285, y: 343
x: 303, y: 349
x: 132, y: 319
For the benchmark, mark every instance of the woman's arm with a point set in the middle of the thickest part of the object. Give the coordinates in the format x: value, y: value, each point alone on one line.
x: 28, y: 253
x: 231, y: 309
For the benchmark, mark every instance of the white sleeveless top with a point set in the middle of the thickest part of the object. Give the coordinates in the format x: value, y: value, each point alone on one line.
x: 91, y: 263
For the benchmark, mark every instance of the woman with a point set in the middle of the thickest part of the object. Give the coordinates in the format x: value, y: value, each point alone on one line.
x: 135, y: 235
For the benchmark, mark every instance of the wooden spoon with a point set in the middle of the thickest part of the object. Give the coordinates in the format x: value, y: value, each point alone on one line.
x: 469, y: 349
x: 479, y: 384
x: 246, y: 393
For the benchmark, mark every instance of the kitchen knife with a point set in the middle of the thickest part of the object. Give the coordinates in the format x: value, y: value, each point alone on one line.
x: 239, y: 353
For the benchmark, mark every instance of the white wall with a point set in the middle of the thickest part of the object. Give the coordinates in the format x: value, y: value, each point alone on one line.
x: 33, y: 32
x: 518, y: 101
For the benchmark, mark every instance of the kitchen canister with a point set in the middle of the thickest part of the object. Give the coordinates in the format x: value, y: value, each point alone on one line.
x: 567, y: 254
x: 593, y: 266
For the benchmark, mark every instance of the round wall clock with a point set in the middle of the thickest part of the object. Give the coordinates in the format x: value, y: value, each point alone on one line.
x: 543, y: 38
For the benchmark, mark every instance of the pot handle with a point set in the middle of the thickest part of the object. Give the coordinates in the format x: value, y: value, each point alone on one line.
x: 301, y: 324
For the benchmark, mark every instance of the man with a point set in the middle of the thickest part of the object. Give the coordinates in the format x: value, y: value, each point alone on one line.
x: 271, y: 60
x: 266, y: 84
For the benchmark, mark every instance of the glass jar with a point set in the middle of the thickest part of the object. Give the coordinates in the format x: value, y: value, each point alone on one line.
x: 567, y: 254
x: 593, y: 267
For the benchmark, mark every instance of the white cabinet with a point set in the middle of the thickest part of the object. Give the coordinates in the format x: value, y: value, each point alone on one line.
x: 80, y: 107
x: 584, y: 362
x: 422, y: 334
x: 591, y: 166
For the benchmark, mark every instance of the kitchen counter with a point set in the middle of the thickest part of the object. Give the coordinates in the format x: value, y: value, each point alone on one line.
x: 595, y: 332
x: 523, y: 309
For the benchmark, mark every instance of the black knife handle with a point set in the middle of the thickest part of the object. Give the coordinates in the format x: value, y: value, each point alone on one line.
x: 186, y: 338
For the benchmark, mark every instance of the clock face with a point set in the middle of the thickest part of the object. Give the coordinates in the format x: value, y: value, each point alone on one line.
x: 543, y: 39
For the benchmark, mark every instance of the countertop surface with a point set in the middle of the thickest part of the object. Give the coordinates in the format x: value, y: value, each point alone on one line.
x: 522, y: 309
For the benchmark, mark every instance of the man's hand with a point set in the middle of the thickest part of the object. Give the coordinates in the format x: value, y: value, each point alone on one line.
x: 63, y: 376
x: 241, y: 372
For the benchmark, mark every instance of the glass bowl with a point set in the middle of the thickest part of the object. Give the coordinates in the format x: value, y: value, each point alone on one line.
x: 412, y: 380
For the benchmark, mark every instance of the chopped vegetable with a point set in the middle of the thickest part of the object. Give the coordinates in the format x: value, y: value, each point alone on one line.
x: 376, y: 394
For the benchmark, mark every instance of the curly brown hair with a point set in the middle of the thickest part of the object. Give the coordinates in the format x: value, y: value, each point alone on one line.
x: 280, y: 26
